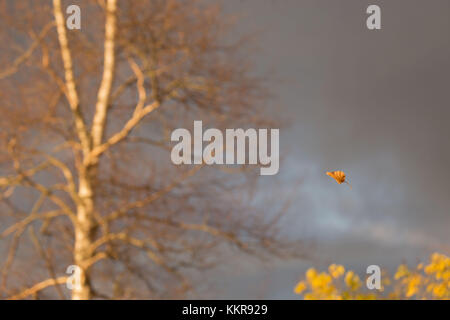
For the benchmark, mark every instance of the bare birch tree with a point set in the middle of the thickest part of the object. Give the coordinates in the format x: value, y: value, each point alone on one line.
x: 85, y: 171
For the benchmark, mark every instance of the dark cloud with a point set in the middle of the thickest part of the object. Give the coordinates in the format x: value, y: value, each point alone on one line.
x: 373, y: 103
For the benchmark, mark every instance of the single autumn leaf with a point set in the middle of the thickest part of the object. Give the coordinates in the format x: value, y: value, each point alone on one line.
x: 339, y: 176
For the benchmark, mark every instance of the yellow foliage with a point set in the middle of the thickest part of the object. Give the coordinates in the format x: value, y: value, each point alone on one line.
x: 336, y: 270
x: 301, y: 286
x: 402, y: 271
x: 426, y: 281
x: 352, y: 281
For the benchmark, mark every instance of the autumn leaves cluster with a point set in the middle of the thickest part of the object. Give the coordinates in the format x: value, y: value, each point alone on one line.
x: 426, y: 281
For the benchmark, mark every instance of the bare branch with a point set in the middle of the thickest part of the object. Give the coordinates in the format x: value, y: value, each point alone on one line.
x: 39, y: 287
x: 123, y: 236
x: 15, y: 242
x: 55, y: 199
x: 28, y: 53
x: 17, y: 179
x: 138, y: 115
x: 152, y: 197
x: 101, y: 109
x: 29, y: 219
x: 72, y: 93
x: 46, y: 258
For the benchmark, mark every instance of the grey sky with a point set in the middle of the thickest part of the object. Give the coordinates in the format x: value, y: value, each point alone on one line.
x: 375, y: 104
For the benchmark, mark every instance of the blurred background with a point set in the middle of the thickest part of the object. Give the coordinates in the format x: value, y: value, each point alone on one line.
x: 373, y: 103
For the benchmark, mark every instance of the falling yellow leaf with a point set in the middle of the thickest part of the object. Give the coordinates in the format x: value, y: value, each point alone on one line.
x: 339, y: 176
